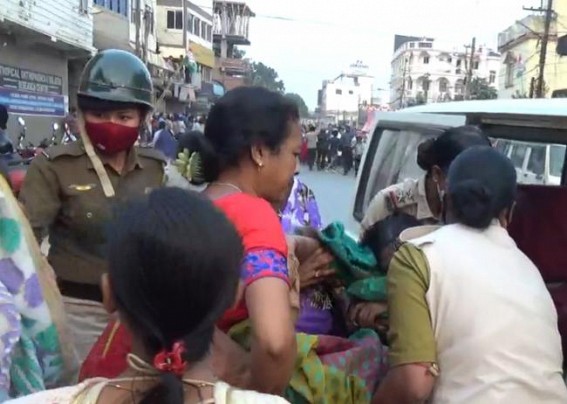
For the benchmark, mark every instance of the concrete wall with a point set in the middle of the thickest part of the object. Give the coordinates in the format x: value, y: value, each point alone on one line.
x: 43, y: 60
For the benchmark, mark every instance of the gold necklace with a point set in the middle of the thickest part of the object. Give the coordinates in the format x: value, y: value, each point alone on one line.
x: 229, y: 185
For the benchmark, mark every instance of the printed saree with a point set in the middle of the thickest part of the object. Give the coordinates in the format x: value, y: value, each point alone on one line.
x: 37, y: 350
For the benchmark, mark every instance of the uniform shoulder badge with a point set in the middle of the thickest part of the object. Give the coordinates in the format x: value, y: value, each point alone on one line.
x: 151, y: 153
x: 399, y: 196
x: 74, y: 149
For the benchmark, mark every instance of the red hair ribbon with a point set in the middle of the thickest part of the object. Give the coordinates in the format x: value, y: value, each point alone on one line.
x: 171, y: 361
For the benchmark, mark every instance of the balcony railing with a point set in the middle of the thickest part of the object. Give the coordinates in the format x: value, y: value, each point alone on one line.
x: 231, y: 19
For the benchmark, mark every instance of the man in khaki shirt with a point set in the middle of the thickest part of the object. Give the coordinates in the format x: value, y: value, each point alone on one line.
x: 70, y: 191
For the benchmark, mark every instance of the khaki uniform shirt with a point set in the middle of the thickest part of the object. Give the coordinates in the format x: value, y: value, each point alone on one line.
x: 407, y: 197
x: 63, y: 198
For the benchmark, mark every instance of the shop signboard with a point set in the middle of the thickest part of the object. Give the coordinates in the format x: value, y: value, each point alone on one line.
x: 21, y: 102
x: 30, y: 92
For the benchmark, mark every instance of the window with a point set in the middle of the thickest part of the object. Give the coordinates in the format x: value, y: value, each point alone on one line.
x: 536, y: 162
x: 412, y: 45
x: 174, y: 19
x: 426, y: 60
x: 459, y: 62
x: 450, y: 60
x: 338, y: 91
x: 190, y: 18
x: 443, y: 86
x: 518, y: 155
x: 556, y: 159
x: 203, y: 30
x: 350, y: 92
x: 117, y: 6
x: 492, y: 77
x: 425, y: 45
x: 509, y: 75
x: 210, y: 33
x: 410, y: 84
x: 197, y: 26
x: 475, y: 65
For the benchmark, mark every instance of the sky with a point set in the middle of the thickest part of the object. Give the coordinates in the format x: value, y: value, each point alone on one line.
x: 308, y: 41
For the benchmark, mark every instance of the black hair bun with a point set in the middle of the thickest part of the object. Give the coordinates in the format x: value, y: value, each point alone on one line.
x: 473, y: 203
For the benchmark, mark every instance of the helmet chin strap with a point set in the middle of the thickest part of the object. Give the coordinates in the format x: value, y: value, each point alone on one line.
x: 107, y: 187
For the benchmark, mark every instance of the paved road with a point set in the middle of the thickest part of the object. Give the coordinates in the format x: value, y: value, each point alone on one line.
x: 334, y: 193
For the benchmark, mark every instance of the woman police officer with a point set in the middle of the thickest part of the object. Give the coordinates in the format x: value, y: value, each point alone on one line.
x: 69, y: 191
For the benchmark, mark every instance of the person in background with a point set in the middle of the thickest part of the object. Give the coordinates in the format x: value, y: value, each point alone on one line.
x: 311, y: 137
x: 164, y: 140
x: 346, y: 149
x: 199, y: 124
x: 170, y: 301
x: 70, y: 190
x: 71, y: 122
x: 423, y: 197
x: 455, y: 296
x: 358, y: 150
x: 6, y: 145
x: 323, y: 143
x: 178, y: 125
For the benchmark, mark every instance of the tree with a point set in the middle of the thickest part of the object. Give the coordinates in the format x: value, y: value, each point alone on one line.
x: 481, y: 90
x: 265, y: 76
x: 301, y: 105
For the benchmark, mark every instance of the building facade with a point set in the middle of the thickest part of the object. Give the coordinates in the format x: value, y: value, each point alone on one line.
x: 424, y: 71
x: 520, y: 45
x: 343, y: 98
x: 231, y: 28
x: 41, y: 42
x: 185, y: 36
x: 131, y: 25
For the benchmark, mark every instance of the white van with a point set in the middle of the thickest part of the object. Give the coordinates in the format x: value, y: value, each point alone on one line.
x: 532, y: 132
x: 535, y: 163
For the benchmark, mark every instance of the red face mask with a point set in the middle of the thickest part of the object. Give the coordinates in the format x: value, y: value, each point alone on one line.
x: 111, y: 138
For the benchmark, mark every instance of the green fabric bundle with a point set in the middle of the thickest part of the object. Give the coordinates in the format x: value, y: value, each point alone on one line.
x: 355, y: 264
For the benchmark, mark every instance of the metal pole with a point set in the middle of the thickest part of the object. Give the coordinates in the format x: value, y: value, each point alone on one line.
x: 470, y: 70
x: 138, y: 27
x: 540, y: 91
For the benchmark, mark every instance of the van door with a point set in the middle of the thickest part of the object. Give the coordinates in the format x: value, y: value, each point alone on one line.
x: 391, y: 155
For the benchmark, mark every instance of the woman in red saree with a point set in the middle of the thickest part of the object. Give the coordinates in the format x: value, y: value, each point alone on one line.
x: 249, y: 154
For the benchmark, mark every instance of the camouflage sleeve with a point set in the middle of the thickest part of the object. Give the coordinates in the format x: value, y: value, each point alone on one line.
x: 40, y: 196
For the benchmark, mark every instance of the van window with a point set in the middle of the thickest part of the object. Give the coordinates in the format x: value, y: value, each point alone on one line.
x: 502, y: 146
x: 393, y: 160
x: 518, y: 155
x: 556, y: 159
x: 536, y: 162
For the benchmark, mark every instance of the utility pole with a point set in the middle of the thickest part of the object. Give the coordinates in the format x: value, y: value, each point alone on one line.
x: 185, y: 28
x: 540, y: 90
x: 470, y: 70
x: 403, y: 94
x: 138, y: 26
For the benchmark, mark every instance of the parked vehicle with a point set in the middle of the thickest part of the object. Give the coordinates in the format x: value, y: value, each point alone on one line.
x: 18, y: 160
x: 27, y: 151
x: 68, y: 137
x: 531, y: 132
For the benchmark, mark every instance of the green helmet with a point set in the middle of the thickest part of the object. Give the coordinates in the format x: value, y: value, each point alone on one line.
x: 117, y: 76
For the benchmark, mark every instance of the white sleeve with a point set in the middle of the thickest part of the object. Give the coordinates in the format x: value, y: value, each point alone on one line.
x: 156, y: 137
x: 376, y: 211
